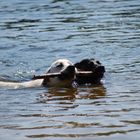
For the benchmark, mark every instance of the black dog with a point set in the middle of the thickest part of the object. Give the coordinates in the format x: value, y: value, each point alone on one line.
x: 90, y: 65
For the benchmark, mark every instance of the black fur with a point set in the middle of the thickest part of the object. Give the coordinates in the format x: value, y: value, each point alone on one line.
x: 68, y: 73
x: 90, y: 65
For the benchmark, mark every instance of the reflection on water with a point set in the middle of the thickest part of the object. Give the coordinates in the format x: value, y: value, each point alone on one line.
x: 92, y: 92
x: 54, y: 94
x: 70, y: 94
x: 33, y: 34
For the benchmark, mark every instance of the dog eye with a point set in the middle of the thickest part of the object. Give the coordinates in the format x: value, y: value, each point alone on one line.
x: 59, y: 65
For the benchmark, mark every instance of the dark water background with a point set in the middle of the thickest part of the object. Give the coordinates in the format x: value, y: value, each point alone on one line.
x: 35, y: 33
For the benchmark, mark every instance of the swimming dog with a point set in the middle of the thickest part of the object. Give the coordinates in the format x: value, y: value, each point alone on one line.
x: 67, y: 75
x: 65, y: 79
x: 66, y: 70
x: 93, y: 65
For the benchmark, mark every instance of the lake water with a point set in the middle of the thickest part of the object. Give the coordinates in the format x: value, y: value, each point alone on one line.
x: 35, y: 33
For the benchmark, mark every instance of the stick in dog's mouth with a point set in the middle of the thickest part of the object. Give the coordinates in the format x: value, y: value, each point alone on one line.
x: 51, y: 75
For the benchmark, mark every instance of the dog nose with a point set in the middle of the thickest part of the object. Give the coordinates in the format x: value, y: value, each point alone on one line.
x: 69, y: 72
x: 70, y: 69
x: 100, y: 69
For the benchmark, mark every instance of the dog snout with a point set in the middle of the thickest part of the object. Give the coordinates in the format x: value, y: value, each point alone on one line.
x: 100, y: 69
x: 70, y: 69
x: 69, y: 72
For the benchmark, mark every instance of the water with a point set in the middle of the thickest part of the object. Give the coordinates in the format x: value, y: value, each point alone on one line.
x: 35, y: 33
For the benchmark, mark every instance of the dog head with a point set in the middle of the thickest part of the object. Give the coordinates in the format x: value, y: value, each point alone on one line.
x: 90, y: 65
x: 66, y: 70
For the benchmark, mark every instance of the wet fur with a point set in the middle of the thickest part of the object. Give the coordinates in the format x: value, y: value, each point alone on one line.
x: 90, y: 65
x: 67, y: 70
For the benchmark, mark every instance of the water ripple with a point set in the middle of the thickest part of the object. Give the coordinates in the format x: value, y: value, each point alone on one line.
x: 34, y: 34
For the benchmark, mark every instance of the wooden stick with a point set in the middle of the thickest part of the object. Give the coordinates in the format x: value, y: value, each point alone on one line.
x: 84, y: 73
x: 49, y: 75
